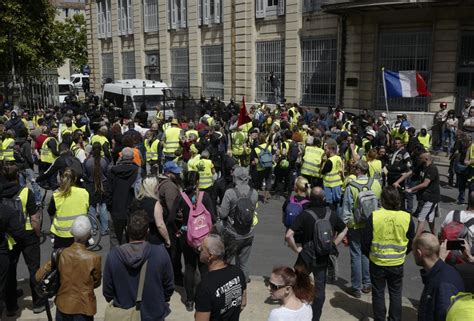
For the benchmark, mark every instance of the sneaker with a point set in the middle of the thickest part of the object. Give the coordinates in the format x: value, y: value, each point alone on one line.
x: 367, y: 289
x: 41, y: 308
x: 189, y: 306
x: 355, y: 293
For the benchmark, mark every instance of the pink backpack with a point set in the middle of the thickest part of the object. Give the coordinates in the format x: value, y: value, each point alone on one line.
x: 199, y: 221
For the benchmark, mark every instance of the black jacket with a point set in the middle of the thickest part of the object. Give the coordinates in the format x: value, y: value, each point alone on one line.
x: 64, y: 160
x: 120, y: 192
x: 10, y: 224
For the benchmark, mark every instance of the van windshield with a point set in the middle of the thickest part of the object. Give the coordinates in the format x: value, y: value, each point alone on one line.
x: 64, y: 89
x: 151, y: 101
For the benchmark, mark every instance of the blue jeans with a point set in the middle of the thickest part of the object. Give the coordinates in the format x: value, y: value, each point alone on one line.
x: 103, y: 215
x: 360, y: 276
x: 27, y: 176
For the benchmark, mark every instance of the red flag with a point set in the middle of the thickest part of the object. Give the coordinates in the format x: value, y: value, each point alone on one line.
x: 243, y: 115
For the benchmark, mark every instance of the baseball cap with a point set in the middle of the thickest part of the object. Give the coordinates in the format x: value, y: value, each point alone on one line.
x: 371, y: 132
x: 384, y: 115
x: 172, y: 167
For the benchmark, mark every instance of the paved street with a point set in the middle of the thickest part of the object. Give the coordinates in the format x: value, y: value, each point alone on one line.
x: 269, y: 250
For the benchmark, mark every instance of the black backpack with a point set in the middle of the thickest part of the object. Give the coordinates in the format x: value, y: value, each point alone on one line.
x: 322, y: 236
x: 243, y: 212
x: 15, y: 203
x: 50, y: 282
x: 293, y: 152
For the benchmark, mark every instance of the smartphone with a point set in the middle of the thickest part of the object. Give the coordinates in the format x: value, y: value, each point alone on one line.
x: 455, y: 245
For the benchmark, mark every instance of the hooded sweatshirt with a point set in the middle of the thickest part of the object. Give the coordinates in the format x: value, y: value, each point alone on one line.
x: 120, y: 188
x: 122, y: 273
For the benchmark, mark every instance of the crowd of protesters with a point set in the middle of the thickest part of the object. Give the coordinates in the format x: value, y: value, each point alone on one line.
x: 147, y: 177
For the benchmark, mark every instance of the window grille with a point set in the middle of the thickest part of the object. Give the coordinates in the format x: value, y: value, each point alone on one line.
x: 180, y: 70
x: 150, y: 15
x: 318, y: 71
x: 404, y: 51
x: 213, y: 71
x: 270, y: 57
x: 107, y: 66
x: 128, y: 65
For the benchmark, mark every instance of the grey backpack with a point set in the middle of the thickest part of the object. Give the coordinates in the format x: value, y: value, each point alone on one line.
x: 366, y: 200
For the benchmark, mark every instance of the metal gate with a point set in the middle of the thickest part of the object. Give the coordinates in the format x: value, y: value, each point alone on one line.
x: 465, y: 75
x: 270, y: 57
x: 318, y: 71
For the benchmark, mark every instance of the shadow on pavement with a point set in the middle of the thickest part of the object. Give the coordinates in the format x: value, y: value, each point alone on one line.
x: 362, y: 310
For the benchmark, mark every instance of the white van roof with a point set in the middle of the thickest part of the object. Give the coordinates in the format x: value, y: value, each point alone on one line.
x: 63, y: 81
x: 80, y: 75
x: 140, y: 83
x: 136, y: 87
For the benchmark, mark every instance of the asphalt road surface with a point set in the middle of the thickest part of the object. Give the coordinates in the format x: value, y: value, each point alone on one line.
x: 269, y: 248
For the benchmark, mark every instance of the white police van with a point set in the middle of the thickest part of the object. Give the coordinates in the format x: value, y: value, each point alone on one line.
x: 131, y: 94
x: 66, y: 88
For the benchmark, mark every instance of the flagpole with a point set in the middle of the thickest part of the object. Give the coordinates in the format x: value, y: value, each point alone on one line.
x: 385, y: 92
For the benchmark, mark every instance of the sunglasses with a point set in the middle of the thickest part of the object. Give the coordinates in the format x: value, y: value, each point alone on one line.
x: 275, y: 287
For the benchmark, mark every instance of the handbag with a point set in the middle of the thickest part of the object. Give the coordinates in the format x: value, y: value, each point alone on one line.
x: 113, y: 313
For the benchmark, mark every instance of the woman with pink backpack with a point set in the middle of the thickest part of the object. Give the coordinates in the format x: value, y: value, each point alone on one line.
x: 197, y: 212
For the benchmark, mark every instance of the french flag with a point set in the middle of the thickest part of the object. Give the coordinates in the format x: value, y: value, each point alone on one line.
x: 408, y: 83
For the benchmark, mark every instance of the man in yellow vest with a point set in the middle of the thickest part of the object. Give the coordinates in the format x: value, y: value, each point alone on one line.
x: 191, y: 131
x: 25, y: 200
x: 49, y: 152
x: 238, y: 140
x: 386, y: 241
x: 171, y: 140
x: 360, y: 278
x: 332, y: 172
x: 66, y: 128
x: 151, y: 143
x: 424, y: 138
x: 101, y: 138
x: 206, y: 171
x: 8, y: 146
x: 312, y: 158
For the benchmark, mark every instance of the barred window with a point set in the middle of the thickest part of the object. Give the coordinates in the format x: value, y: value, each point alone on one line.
x: 213, y: 71
x: 150, y: 15
x: 128, y: 65
x: 404, y: 50
x: 270, y: 57
x: 107, y: 66
x: 180, y: 70
x: 318, y: 71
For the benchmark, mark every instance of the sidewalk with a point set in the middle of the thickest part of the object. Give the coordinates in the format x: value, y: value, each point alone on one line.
x: 339, y: 306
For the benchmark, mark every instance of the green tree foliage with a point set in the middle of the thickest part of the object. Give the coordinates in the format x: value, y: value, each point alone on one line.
x: 32, y: 39
x: 71, y: 37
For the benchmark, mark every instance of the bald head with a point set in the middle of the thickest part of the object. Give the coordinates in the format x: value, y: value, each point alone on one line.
x: 428, y: 244
x: 317, y: 196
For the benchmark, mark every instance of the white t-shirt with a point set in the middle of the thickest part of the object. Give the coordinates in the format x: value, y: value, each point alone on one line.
x: 464, y: 217
x: 305, y: 313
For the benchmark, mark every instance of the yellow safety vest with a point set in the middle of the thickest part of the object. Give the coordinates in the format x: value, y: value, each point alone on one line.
x: 333, y: 178
x: 347, y: 126
x: 1, y: 150
x: 8, y: 147
x: 67, y: 130
x: 312, y: 161
x: 166, y: 126
x: 425, y: 141
x: 389, y: 241
x: 246, y: 127
x: 68, y: 209
x: 375, y: 168
x: 171, y: 143
x: 46, y: 155
x: 192, y: 163
x: 403, y: 137
x: 151, y: 150
x: 189, y: 132
x: 82, y: 128
x: 102, y: 140
x: 36, y: 119
x: 348, y: 154
x: 237, y: 143
x: 75, y: 149
x: 471, y: 154
x: 462, y: 307
x: 375, y: 187
x: 204, y: 167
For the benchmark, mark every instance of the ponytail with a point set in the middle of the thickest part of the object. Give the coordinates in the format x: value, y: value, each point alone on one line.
x: 96, y: 151
x: 66, y: 181
x: 299, y: 280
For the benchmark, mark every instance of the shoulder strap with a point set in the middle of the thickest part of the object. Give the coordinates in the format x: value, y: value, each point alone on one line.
x: 55, y: 258
x: 328, y: 213
x: 237, y: 193
x: 371, y: 181
x: 250, y: 192
x: 141, y: 284
x: 187, y: 200
x: 469, y: 223
x: 292, y: 199
x: 457, y: 216
x: 313, y: 214
x: 199, y: 199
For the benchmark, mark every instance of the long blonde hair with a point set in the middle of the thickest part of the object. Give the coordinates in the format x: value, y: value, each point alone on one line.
x: 148, y: 188
x: 66, y: 181
x: 302, y: 185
